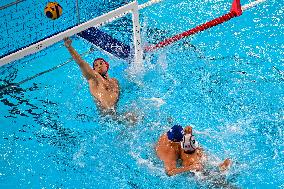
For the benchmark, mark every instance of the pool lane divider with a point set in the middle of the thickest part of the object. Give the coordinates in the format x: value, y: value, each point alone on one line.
x: 236, y: 10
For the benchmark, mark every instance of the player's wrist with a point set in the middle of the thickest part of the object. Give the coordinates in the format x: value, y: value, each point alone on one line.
x: 67, y: 46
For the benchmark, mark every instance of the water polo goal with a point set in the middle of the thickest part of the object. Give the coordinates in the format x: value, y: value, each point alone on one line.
x: 89, y: 31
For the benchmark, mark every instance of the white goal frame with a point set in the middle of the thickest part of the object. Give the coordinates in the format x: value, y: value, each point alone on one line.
x: 96, y: 22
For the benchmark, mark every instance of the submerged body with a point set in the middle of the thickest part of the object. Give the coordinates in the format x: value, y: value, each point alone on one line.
x: 105, y: 91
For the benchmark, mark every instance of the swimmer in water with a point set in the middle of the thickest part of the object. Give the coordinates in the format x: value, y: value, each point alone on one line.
x: 104, y: 89
x: 179, y: 143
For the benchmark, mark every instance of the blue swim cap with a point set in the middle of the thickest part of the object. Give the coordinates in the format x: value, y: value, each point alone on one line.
x: 175, y: 133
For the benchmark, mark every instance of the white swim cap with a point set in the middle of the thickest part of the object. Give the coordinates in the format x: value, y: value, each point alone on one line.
x: 189, y: 144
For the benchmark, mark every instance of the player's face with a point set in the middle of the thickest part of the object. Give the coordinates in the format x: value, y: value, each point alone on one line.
x: 100, y: 66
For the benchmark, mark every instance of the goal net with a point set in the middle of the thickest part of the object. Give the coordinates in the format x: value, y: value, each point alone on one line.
x: 27, y: 31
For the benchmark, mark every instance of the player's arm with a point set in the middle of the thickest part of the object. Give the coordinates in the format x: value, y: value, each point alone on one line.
x: 86, y: 69
x: 171, y: 168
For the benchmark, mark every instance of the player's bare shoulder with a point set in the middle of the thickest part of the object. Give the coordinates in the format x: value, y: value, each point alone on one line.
x: 114, y: 81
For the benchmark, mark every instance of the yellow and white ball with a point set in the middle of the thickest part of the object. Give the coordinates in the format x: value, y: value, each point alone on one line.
x: 53, y: 10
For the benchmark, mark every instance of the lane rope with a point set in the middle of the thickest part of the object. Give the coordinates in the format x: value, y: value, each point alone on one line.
x: 236, y: 10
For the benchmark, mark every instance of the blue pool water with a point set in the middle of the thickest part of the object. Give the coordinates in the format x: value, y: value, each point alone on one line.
x: 227, y: 82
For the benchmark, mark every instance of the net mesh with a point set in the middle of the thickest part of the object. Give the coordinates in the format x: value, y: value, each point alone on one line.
x: 24, y: 23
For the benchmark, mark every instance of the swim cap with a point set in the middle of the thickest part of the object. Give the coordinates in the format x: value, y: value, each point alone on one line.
x: 175, y: 133
x: 189, y: 143
x: 107, y: 64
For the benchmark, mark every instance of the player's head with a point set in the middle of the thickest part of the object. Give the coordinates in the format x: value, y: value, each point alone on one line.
x: 101, y: 66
